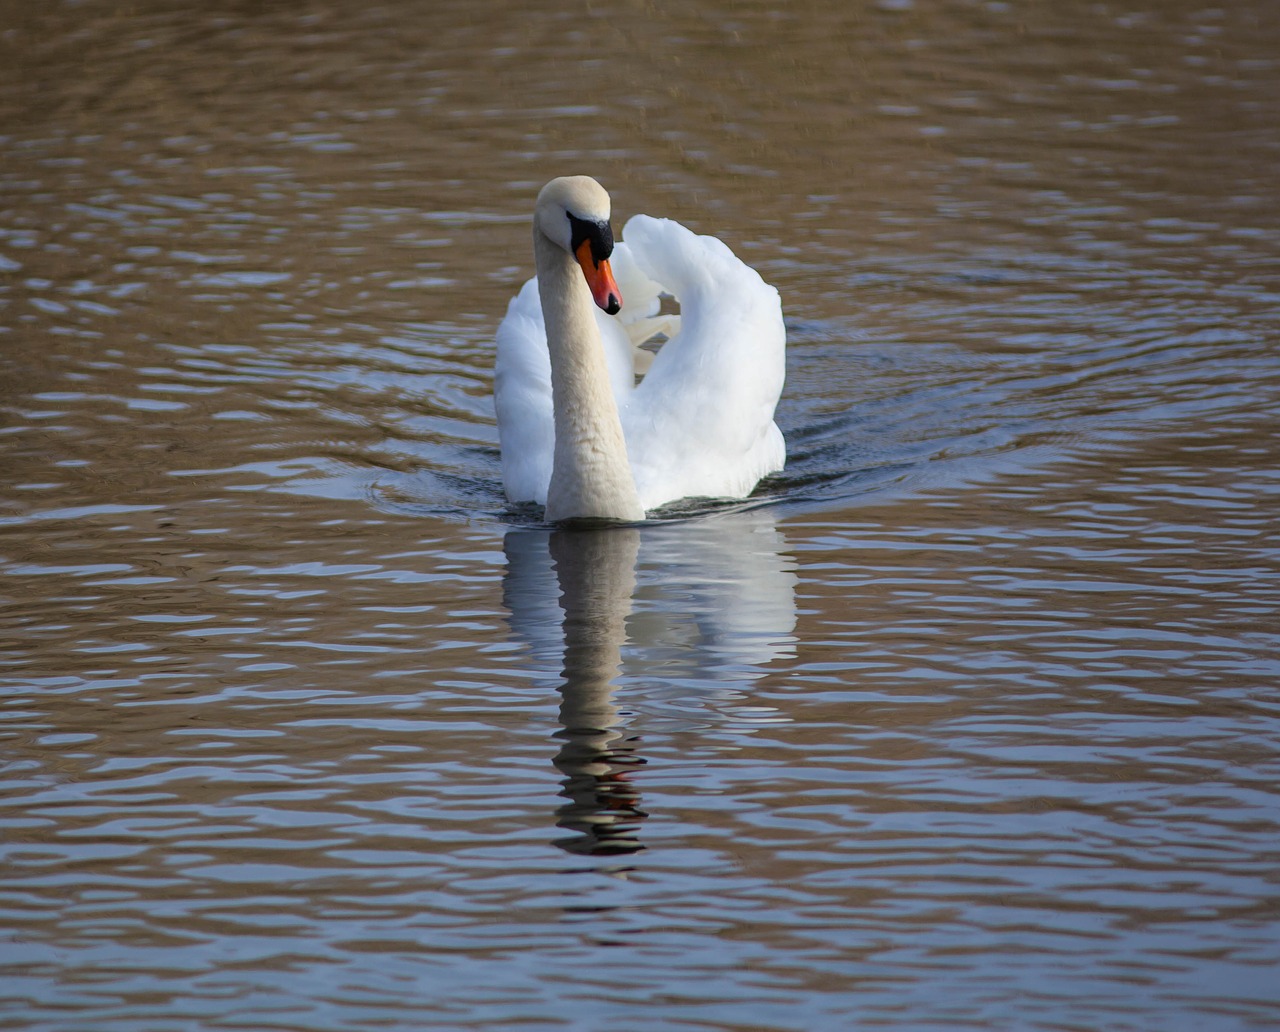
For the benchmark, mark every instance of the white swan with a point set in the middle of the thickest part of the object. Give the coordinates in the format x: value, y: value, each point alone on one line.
x: 577, y: 434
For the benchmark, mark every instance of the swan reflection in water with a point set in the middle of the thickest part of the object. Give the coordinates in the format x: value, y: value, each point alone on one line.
x: 693, y: 608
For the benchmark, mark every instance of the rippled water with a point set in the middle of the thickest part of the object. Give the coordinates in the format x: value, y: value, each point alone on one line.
x: 969, y: 719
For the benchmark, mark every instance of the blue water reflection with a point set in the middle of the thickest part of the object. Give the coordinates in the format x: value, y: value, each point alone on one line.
x: 983, y: 734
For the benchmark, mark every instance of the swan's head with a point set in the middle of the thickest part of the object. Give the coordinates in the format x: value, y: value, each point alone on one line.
x: 573, y: 213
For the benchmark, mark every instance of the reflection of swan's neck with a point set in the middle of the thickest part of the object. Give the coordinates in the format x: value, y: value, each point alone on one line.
x: 590, y: 474
x: 596, y: 570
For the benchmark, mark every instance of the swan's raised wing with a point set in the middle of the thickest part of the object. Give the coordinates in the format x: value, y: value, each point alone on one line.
x: 522, y: 397
x: 701, y: 423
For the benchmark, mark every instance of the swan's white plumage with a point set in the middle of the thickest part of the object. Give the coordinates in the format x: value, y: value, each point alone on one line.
x: 700, y: 424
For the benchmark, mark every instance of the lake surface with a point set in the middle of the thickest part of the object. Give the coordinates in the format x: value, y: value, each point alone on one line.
x: 970, y: 719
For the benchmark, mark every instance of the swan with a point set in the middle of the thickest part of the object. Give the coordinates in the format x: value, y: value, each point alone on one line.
x: 577, y: 434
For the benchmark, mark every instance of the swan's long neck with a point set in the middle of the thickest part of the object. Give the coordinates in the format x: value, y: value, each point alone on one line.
x: 590, y: 473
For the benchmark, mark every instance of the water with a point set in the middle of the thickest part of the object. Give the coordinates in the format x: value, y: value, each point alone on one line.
x: 968, y: 720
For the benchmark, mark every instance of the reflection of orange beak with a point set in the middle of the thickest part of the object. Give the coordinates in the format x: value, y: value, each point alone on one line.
x: 604, y: 289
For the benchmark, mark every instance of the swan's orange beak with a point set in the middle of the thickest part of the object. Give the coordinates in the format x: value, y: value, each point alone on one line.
x: 604, y: 289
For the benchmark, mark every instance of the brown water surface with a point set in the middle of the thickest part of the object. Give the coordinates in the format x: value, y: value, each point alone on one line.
x: 969, y: 720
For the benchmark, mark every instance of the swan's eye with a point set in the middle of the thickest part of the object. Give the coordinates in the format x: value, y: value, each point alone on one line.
x: 597, y: 231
